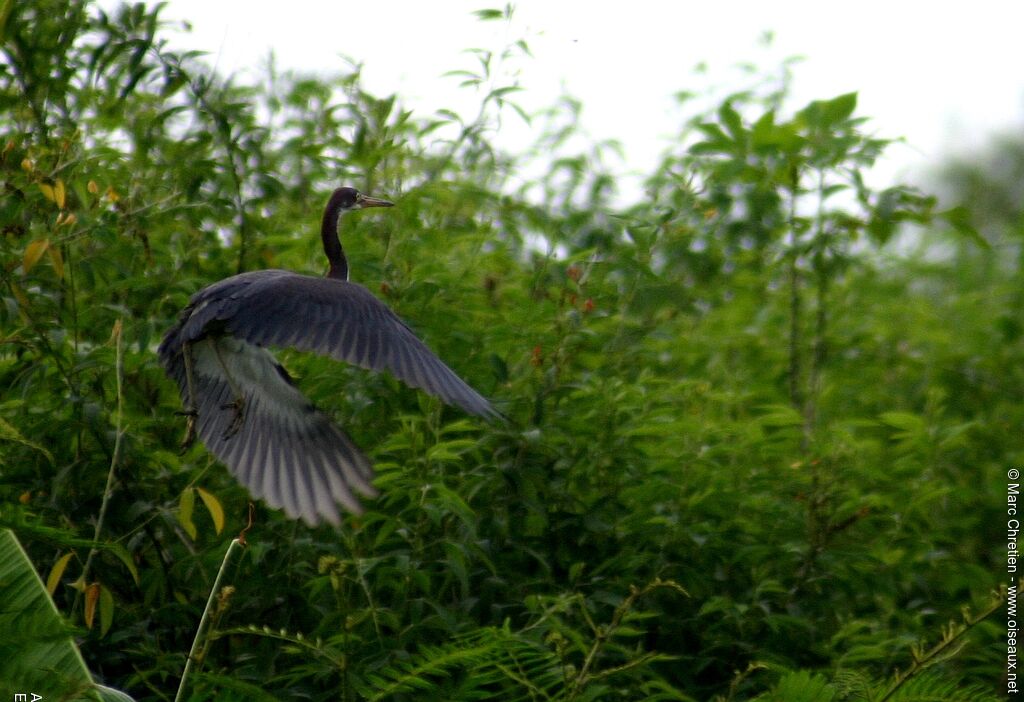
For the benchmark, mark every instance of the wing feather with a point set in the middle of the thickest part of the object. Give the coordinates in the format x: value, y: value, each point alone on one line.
x: 285, y: 451
x: 339, y: 319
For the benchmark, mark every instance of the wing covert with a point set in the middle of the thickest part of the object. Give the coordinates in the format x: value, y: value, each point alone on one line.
x: 345, y: 321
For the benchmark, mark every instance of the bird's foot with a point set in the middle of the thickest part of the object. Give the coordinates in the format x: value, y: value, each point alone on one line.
x: 238, y: 405
x: 190, y: 428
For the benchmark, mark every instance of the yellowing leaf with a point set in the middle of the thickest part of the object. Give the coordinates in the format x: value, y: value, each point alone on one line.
x: 214, y: 507
x: 8, y: 432
x: 57, y: 572
x: 33, y: 252
x: 186, y: 503
x: 48, y: 192
x: 92, y: 596
x: 57, y: 260
x: 59, y: 193
x: 93, y: 187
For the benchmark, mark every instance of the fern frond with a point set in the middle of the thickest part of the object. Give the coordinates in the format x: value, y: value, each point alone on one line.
x: 934, y: 687
x: 950, y: 644
x: 491, y: 659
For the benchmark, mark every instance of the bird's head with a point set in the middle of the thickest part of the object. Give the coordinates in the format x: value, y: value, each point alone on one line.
x: 349, y: 199
x: 342, y: 200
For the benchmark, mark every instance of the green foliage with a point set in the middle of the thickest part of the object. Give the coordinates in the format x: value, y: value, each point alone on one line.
x: 38, y: 651
x: 755, y: 448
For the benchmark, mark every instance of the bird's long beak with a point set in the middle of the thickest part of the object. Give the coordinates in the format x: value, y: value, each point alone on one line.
x: 365, y: 201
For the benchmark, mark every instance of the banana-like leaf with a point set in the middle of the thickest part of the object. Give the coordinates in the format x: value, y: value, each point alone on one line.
x: 37, y: 653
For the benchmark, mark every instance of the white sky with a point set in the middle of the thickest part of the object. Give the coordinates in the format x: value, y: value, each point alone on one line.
x: 942, y: 74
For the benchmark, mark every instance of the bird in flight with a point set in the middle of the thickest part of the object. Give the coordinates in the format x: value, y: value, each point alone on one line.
x: 245, y: 407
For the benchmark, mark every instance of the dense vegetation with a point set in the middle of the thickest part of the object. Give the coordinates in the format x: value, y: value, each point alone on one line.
x: 758, y: 432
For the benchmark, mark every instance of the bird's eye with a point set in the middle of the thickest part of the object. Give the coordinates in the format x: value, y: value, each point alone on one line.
x: 351, y: 200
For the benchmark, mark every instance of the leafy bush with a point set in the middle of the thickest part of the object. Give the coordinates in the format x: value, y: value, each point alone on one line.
x: 755, y: 449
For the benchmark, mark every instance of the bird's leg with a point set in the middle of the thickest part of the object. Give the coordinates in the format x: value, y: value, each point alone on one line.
x: 237, y: 404
x: 190, y: 406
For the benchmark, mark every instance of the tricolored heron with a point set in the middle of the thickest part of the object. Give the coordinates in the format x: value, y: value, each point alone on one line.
x: 243, y: 403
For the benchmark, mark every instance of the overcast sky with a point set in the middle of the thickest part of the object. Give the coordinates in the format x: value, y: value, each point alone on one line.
x: 943, y: 75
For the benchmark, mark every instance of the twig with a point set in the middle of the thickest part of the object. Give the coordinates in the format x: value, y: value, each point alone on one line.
x: 818, y: 346
x: 795, y: 306
x: 116, y: 454
x: 603, y: 633
x: 949, y: 645
x: 195, y: 656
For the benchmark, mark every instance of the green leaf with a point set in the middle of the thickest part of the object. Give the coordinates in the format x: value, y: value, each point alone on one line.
x: 489, y: 15
x: 106, y: 610
x: 717, y: 142
x: 186, y: 505
x: 449, y: 451
x: 903, y: 420
x: 802, y: 686
x: 823, y: 115
x: 839, y: 108
x: 122, y: 555
x: 732, y: 121
x: 780, y: 416
x: 56, y: 260
x: 38, y: 652
x: 959, y: 218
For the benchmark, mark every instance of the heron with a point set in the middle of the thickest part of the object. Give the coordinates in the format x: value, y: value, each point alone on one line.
x: 246, y: 408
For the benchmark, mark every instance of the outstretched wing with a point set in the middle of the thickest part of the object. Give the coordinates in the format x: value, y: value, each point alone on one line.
x: 276, y: 443
x: 280, y: 446
x: 333, y: 318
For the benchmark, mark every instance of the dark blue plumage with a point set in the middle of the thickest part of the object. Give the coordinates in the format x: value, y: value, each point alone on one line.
x: 248, y: 411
